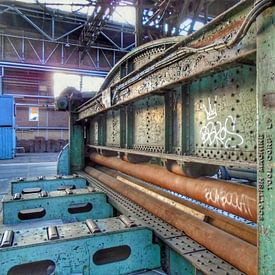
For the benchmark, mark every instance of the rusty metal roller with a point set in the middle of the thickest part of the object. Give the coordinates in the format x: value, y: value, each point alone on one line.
x: 232, y: 197
x: 237, y: 252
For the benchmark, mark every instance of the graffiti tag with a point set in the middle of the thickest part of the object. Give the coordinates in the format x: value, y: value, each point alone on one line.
x: 217, y: 132
x: 230, y: 199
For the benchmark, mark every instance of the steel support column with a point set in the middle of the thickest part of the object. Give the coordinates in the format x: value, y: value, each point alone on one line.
x: 129, y: 126
x: 139, y: 15
x: 266, y: 137
x: 76, y: 145
x: 168, y: 110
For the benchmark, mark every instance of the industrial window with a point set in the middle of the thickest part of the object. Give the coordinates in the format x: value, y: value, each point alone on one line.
x: 33, y: 114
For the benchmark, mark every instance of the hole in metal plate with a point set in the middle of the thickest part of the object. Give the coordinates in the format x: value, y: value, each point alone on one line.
x: 112, y: 254
x: 31, y: 190
x: 29, y: 214
x: 64, y: 187
x: 80, y: 208
x: 45, y: 267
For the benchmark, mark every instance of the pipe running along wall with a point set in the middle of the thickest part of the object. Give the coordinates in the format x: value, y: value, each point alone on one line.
x: 237, y: 252
x: 231, y: 197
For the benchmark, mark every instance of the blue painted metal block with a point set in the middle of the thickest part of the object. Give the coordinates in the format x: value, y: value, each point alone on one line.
x: 7, y: 111
x: 80, y: 205
x: 115, y: 250
x: 7, y: 142
x: 47, y: 184
x: 178, y: 265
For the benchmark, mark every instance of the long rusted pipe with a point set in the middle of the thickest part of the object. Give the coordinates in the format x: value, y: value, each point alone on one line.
x: 234, y: 198
x: 237, y: 252
x: 232, y: 226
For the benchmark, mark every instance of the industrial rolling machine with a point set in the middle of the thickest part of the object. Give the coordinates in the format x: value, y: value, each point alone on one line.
x: 148, y: 146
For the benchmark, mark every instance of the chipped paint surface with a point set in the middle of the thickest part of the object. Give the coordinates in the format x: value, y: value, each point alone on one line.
x: 74, y: 251
x: 57, y: 205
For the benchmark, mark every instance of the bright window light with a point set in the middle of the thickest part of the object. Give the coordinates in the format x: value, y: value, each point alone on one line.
x: 89, y: 83
x: 121, y: 14
x: 198, y: 25
x: 183, y: 33
x: 62, y: 81
x: 66, y: 5
x: 125, y: 15
x: 185, y: 23
x: 26, y: 1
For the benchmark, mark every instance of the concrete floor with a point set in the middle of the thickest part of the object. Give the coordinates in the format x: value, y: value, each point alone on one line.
x: 26, y: 165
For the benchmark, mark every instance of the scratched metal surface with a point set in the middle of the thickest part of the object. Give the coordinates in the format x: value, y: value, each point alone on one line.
x: 211, y: 118
x: 47, y: 184
x: 143, y: 58
x: 93, y: 131
x: 166, y: 72
x: 99, y: 207
x: 266, y: 138
x: 222, y: 123
x: 73, y: 252
x: 149, y: 125
x: 113, y: 128
x: 184, y: 105
x: 178, y: 107
x: 173, y: 67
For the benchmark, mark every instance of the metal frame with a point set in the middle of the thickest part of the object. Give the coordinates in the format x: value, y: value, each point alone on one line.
x: 59, y: 44
x: 189, y: 254
x: 61, y: 200
x: 72, y: 248
x: 56, y: 59
x: 248, y: 71
x: 47, y: 183
x: 77, y: 21
x: 171, y: 70
x: 266, y: 138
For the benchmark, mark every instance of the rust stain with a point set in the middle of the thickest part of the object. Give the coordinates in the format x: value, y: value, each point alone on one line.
x: 219, y: 34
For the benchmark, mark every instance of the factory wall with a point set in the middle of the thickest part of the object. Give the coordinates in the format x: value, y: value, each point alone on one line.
x: 39, y: 128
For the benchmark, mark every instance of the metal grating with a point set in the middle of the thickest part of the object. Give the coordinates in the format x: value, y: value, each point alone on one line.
x: 200, y: 257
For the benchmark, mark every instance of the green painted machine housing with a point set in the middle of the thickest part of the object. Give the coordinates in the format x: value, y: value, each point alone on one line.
x: 78, y: 206
x: 210, y: 118
x: 265, y: 139
x: 212, y: 108
x: 74, y: 252
x: 48, y: 184
x: 65, y: 244
x: 193, y: 110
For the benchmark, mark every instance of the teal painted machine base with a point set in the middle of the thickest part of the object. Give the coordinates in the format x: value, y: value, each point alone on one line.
x: 74, y: 238
x: 115, y: 250
x: 47, y: 183
x: 69, y: 206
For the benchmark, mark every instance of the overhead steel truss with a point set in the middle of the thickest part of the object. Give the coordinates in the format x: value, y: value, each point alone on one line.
x: 53, y: 49
x: 27, y: 52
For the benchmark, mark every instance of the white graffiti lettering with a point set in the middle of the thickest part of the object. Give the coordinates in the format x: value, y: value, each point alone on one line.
x: 211, y: 112
x: 217, y: 132
x: 230, y: 199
